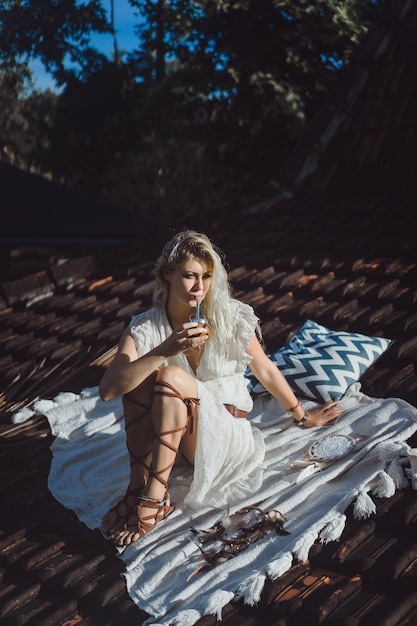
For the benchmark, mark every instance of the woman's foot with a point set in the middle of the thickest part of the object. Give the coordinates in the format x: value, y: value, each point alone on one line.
x: 143, y: 517
x: 115, y: 519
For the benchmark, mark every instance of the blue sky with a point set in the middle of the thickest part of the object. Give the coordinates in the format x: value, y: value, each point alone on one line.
x: 125, y: 20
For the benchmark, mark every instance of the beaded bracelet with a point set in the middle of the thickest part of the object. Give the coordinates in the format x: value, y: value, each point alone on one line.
x: 301, y: 423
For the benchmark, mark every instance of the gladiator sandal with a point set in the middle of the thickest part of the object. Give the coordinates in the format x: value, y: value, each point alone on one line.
x: 134, y: 458
x: 162, y: 509
x: 123, y: 509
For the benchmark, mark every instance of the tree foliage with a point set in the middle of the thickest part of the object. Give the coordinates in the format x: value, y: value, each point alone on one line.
x: 57, y: 32
x: 210, y: 100
x: 26, y: 119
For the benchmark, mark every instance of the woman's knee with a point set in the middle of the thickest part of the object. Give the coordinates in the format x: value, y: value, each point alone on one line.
x: 179, y: 379
x: 183, y: 387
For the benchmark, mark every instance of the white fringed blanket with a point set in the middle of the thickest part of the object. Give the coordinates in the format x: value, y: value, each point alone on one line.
x: 90, y: 471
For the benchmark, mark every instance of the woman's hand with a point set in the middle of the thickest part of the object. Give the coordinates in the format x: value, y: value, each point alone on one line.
x: 190, y: 335
x: 274, y: 382
x: 324, y: 414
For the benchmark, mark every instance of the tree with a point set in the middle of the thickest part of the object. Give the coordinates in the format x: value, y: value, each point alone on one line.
x: 26, y: 118
x: 57, y: 32
x: 276, y: 55
x: 212, y: 98
x: 12, y: 84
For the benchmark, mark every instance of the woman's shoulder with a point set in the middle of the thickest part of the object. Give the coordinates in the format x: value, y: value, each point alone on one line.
x: 149, y: 316
x: 243, y: 310
x: 147, y: 328
x: 245, y: 321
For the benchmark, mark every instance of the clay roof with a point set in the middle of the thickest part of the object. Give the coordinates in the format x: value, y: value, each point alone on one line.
x: 335, y: 242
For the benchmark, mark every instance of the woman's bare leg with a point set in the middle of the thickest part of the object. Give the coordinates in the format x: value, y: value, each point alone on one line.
x: 171, y: 424
x: 139, y: 435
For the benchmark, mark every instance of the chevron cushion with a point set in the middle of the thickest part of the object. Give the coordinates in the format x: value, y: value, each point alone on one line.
x: 320, y: 363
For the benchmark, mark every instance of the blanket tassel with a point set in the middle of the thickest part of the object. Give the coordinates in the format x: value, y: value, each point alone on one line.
x: 184, y: 618
x: 395, y: 470
x: 250, y: 590
x: 385, y: 486
x: 303, y: 545
x: 412, y: 470
x: 217, y: 602
x: 332, y: 530
x: 278, y: 567
x: 364, y: 506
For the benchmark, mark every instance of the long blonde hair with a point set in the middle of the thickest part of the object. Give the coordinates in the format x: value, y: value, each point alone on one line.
x: 216, y: 307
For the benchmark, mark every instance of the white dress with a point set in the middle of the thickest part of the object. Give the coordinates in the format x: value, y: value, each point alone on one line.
x: 229, y: 458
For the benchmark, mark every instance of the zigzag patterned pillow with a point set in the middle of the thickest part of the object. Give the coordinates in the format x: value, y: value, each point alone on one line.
x: 320, y: 363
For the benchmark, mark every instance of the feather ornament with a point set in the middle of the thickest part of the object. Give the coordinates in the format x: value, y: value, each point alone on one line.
x: 309, y: 470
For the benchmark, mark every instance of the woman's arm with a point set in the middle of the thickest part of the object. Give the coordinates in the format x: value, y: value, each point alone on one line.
x: 127, y: 370
x: 273, y: 380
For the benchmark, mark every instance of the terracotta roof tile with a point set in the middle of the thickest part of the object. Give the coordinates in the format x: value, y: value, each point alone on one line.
x: 74, y: 271
x: 29, y: 289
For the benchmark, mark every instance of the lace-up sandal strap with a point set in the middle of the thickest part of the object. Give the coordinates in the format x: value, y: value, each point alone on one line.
x: 143, y: 525
x: 144, y: 406
x: 170, y: 391
x: 190, y: 403
x: 122, y: 509
x: 164, y: 508
x: 157, y: 473
x: 134, y: 458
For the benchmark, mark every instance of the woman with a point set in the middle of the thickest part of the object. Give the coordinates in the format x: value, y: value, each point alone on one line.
x: 184, y: 392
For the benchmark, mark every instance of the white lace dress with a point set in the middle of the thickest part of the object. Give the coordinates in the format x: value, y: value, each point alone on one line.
x: 229, y: 459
